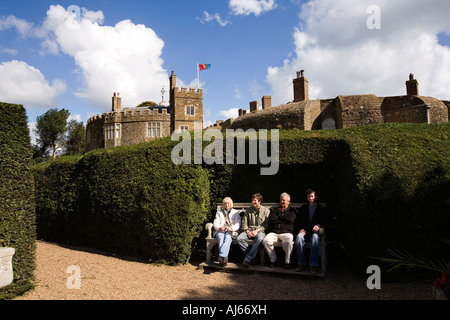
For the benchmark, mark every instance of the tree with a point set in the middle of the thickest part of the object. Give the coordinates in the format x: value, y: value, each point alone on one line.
x: 146, y: 104
x: 76, y: 138
x: 50, y: 130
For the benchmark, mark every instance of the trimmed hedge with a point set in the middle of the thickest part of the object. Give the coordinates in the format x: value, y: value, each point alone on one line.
x: 17, y: 205
x: 386, y: 186
x: 128, y: 200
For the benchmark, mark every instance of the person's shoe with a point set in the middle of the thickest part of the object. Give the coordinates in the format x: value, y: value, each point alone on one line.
x: 272, y: 264
x: 300, y: 268
x: 287, y: 266
x: 313, y: 270
x: 225, y: 261
x: 220, y: 259
x: 246, y: 264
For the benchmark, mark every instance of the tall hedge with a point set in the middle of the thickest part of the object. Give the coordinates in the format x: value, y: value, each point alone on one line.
x: 386, y: 186
x: 17, y: 205
x: 131, y: 200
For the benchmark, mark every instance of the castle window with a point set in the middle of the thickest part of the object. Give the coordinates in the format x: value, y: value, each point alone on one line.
x: 328, y: 124
x: 154, y: 129
x: 118, y: 130
x: 112, y: 131
x: 190, y: 111
x: 184, y: 128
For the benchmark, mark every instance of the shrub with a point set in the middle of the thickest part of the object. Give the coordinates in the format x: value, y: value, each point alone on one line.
x: 130, y: 200
x: 384, y: 185
x: 17, y: 205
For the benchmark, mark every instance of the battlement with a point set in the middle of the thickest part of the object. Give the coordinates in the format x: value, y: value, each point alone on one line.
x: 184, y: 92
x: 132, y: 114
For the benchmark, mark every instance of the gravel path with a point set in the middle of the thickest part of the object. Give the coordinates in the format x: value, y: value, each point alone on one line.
x: 105, y: 277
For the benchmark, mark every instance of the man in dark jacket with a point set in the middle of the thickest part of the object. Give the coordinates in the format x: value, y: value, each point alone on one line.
x: 281, y: 227
x: 310, y: 218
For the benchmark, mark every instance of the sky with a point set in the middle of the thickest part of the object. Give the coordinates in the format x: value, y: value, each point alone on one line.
x: 76, y: 54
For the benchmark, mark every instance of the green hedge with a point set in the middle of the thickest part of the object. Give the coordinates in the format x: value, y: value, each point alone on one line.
x: 129, y: 200
x: 17, y: 205
x: 386, y: 186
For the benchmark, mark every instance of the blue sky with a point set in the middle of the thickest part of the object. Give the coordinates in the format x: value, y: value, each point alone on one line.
x: 52, y: 59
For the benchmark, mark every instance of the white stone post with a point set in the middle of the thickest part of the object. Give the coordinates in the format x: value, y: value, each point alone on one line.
x: 6, y: 270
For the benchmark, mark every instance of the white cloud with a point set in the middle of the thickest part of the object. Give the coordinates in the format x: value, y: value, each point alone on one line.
x: 31, y: 128
x: 212, y: 17
x: 124, y: 58
x: 22, y: 26
x: 247, y: 7
x: 230, y: 113
x: 75, y: 117
x: 341, y: 56
x: 23, y: 84
x: 9, y: 51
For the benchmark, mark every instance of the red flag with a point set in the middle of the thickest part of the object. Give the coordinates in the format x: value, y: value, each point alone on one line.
x: 204, y: 66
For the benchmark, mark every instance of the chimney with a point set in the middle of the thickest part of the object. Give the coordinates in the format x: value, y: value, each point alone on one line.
x: 173, y: 80
x: 241, y: 112
x: 254, y: 106
x: 116, y: 102
x: 412, y: 86
x: 301, y: 92
x: 266, y: 102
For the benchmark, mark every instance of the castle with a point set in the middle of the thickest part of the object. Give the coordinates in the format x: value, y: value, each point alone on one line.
x: 121, y: 127
x: 185, y: 113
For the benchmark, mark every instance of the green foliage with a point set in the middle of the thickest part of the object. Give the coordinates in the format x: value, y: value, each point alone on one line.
x: 146, y: 104
x: 386, y: 186
x: 50, y: 130
x: 76, y: 138
x: 130, y: 200
x: 17, y: 204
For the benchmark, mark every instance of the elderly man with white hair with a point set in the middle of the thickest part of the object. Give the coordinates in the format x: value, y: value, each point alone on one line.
x: 281, y: 227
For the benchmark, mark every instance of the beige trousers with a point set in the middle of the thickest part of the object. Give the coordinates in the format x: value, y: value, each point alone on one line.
x: 287, y: 244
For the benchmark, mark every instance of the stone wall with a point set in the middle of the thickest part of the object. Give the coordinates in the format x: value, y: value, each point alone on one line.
x: 288, y: 116
x: 361, y: 110
x: 133, y: 127
x: 414, y: 109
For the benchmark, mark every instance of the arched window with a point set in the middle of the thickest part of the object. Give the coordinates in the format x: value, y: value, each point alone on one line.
x: 328, y: 124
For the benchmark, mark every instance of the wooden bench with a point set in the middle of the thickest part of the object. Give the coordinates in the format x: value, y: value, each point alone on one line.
x: 211, y: 243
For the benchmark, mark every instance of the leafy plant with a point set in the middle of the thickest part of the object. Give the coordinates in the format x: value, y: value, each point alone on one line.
x: 404, y: 259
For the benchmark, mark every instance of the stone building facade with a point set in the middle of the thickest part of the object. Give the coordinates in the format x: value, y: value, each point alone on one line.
x: 127, y: 126
x: 339, y: 112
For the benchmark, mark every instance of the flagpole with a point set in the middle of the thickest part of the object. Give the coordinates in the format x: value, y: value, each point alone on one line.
x: 198, y: 77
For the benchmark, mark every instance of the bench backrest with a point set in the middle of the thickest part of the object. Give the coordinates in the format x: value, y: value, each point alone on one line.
x: 242, y: 206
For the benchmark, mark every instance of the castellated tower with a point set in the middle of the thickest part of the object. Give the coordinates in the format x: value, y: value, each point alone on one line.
x: 186, y: 107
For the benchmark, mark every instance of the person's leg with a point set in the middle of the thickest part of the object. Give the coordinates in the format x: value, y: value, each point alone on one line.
x: 300, y: 244
x: 251, y: 254
x: 287, y: 244
x: 314, y: 254
x: 268, y: 245
x: 242, y: 242
x: 224, y: 243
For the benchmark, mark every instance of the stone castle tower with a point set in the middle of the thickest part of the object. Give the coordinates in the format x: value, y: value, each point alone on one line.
x: 127, y: 126
x: 186, y: 107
